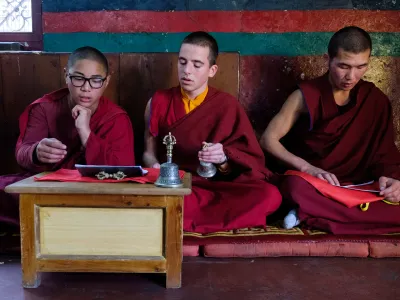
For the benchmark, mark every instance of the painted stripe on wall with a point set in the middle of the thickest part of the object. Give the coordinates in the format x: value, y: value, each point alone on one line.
x: 287, y: 44
x: 220, y: 21
x: 179, y: 5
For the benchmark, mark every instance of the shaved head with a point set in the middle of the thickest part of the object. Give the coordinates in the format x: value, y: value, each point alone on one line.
x: 90, y: 53
x: 351, y: 39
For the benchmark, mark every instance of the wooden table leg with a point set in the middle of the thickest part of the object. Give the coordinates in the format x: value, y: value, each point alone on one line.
x: 173, y: 241
x: 30, y: 278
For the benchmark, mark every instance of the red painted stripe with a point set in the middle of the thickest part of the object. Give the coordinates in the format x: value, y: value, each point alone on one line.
x: 141, y: 21
x: 320, y: 20
x: 220, y: 21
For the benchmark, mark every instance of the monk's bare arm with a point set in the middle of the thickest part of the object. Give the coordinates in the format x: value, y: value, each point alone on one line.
x: 150, y: 142
x: 279, y: 126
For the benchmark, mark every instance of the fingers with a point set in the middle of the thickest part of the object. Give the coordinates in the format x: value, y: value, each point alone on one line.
x: 215, y: 159
x: 54, y: 143
x: 394, y: 199
x: 321, y: 177
x: 213, y: 153
x: 156, y: 166
x: 212, y: 147
x: 330, y: 178
x: 391, y: 195
x: 50, y: 151
x: 49, y: 158
x: 52, y: 146
x: 390, y: 189
x: 78, y: 109
x: 335, y: 180
x: 383, y: 182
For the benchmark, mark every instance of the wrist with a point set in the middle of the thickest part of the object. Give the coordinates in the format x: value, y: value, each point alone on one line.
x: 84, y: 135
x: 303, y: 166
x: 223, y: 162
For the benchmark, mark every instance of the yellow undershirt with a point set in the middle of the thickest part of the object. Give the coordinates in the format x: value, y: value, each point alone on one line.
x: 191, y: 104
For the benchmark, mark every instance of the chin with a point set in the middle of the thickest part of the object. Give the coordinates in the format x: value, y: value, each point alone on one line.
x: 187, y: 88
x: 86, y: 104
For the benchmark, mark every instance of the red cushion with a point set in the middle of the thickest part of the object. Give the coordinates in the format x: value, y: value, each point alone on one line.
x: 275, y: 241
x: 295, y: 248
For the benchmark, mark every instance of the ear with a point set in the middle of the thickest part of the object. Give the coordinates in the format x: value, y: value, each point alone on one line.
x: 65, y: 75
x: 327, y: 59
x: 106, y: 82
x: 213, y: 70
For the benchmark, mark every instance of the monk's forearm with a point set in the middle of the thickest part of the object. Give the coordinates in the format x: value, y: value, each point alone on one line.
x: 25, y: 158
x: 84, y: 135
x: 275, y: 148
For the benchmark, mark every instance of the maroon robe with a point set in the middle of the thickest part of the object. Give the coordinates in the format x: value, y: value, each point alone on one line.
x: 238, y: 200
x: 354, y: 142
x: 110, y: 141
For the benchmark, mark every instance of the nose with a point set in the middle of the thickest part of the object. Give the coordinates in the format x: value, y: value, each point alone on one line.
x: 350, y: 75
x: 86, y: 86
x: 187, y: 69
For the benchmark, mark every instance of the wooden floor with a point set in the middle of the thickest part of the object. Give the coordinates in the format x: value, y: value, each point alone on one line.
x: 207, y: 278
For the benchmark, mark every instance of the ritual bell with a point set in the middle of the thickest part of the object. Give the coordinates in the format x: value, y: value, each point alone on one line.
x: 206, y: 169
x: 169, y: 172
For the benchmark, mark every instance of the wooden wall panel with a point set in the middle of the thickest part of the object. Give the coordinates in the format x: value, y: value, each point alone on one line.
x: 28, y: 77
x: 25, y: 77
x: 140, y: 76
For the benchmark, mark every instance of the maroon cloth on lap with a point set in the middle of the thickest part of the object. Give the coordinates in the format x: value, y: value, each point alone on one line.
x: 9, y: 203
x: 356, y: 143
x: 319, y: 212
x: 241, y: 199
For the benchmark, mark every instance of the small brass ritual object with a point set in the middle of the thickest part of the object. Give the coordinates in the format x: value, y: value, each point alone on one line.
x: 169, y: 172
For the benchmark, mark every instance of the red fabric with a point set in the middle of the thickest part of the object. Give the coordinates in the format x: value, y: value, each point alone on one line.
x: 75, y: 176
x: 110, y: 142
x: 316, y: 211
x: 288, y: 248
x: 355, y: 142
x: 349, y: 198
x: 9, y: 206
x: 241, y: 199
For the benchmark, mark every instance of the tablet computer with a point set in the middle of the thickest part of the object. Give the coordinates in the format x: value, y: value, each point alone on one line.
x: 92, y: 170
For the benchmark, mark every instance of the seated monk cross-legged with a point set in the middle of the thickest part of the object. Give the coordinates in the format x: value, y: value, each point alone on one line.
x: 74, y: 125
x: 210, y: 126
x: 338, y: 128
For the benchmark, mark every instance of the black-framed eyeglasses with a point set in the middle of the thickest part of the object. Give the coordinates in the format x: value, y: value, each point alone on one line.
x: 79, y: 81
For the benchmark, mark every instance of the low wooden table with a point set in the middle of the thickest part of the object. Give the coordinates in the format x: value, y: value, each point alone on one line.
x: 100, y: 227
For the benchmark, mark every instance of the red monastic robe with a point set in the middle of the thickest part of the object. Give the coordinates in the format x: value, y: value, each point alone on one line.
x: 110, y: 142
x: 238, y: 200
x: 354, y: 142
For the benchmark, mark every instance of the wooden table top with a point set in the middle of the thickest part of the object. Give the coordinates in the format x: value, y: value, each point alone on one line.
x: 30, y: 186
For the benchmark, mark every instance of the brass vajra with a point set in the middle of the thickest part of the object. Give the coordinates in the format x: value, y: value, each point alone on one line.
x: 169, y: 140
x: 103, y: 175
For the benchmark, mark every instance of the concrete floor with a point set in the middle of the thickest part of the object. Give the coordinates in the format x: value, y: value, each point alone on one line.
x: 206, y: 278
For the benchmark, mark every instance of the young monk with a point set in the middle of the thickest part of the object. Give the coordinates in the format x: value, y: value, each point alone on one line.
x: 74, y: 125
x: 342, y: 131
x: 210, y: 126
